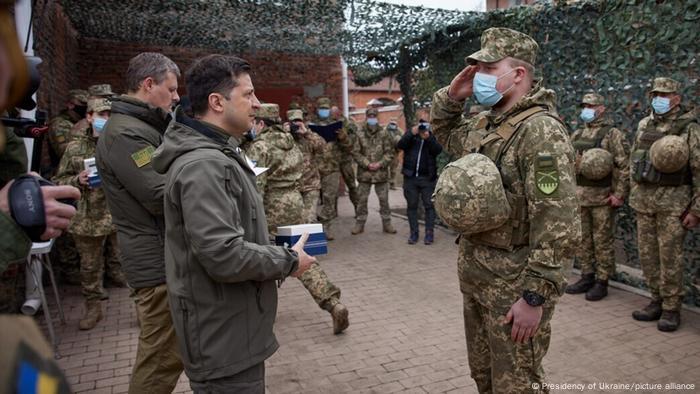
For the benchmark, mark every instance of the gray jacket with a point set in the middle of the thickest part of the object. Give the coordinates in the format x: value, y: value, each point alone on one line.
x: 133, y: 189
x: 220, y: 267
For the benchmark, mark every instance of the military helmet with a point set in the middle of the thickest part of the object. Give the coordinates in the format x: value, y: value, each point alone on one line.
x: 469, y: 195
x: 596, y: 164
x: 669, y: 154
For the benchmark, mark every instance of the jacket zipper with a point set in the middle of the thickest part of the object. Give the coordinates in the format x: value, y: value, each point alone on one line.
x: 258, y: 296
x: 185, y: 321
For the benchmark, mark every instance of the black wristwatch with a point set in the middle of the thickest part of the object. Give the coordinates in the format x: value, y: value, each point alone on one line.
x: 532, y: 298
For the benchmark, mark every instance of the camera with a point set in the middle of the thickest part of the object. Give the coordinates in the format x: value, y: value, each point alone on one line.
x: 293, y: 127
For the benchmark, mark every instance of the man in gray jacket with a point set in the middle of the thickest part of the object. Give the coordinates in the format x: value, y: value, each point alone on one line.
x: 220, y: 266
x: 134, y: 194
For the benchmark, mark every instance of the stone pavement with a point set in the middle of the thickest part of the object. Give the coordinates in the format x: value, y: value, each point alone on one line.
x: 406, y: 329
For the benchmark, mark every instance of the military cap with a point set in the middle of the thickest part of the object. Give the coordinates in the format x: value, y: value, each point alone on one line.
x: 294, y: 105
x: 497, y: 43
x: 102, y: 90
x: 78, y: 94
x: 323, y: 102
x: 371, y: 112
x: 665, y: 85
x: 669, y: 154
x: 593, y: 99
x: 295, y: 114
x: 99, y: 105
x: 596, y: 164
x: 268, y: 111
x: 469, y: 195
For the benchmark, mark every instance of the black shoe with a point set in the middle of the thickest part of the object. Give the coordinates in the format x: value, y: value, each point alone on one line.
x: 669, y: 322
x: 413, y: 238
x: 598, y: 291
x: 429, y: 237
x: 583, y: 285
x: 650, y: 312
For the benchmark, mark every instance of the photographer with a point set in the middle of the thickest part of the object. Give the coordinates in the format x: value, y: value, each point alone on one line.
x: 420, y: 174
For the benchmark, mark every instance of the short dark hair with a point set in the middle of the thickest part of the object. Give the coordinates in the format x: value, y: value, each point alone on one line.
x: 149, y: 64
x: 213, y: 74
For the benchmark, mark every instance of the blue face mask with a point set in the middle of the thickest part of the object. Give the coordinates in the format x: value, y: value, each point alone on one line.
x: 324, y: 113
x: 484, y: 87
x: 98, y: 124
x: 372, y: 121
x: 588, y: 115
x: 661, y: 105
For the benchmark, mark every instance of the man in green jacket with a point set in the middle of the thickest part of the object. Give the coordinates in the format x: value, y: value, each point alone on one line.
x: 134, y: 194
x: 221, y: 267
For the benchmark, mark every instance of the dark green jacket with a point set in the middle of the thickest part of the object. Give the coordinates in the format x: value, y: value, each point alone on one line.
x: 134, y: 190
x: 220, y: 266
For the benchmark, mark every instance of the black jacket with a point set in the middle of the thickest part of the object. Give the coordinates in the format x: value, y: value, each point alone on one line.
x: 411, y: 145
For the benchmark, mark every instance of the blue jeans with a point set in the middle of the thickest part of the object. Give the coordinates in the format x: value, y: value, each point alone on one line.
x: 413, y: 189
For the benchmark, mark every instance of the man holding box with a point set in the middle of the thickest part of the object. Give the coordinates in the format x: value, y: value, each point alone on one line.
x: 92, y: 225
x: 220, y: 266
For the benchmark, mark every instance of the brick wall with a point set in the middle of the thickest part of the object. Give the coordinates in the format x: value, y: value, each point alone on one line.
x: 277, y: 77
x: 56, y: 42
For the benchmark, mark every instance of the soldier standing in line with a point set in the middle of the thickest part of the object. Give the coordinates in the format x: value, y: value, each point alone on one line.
x: 373, y: 154
x: 92, y: 225
x: 275, y: 149
x: 602, y: 176
x: 515, y: 194
x: 311, y: 146
x: 347, y: 163
x: 665, y: 195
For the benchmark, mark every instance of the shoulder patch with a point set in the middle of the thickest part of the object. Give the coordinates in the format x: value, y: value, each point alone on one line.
x: 143, y: 156
x: 546, y: 174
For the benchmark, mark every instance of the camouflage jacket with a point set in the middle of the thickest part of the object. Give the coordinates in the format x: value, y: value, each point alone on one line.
x: 672, y: 200
x: 614, y: 142
x: 311, y: 146
x: 334, y: 151
x: 92, y: 218
x: 275, y: 149
x: 540, y: 155
x: 374, y: 145
x: 346, y: 151
x: 60, y: 131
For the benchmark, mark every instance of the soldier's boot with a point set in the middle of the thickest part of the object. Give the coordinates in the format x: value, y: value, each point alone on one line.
x: 598, y: 291
x: 669, y: 322
x: 429, y: 237
x: 359, y: 228
x: 387, y: 227
x: 650, y: 312
x: 340, y: 318
x: 93, y: 314
x: 583, y: 285
x: 413, y: 238
x: 327, y: 230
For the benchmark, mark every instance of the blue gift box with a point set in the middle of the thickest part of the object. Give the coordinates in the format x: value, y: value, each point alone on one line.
x: 316, y: 244
x: 94, y: 179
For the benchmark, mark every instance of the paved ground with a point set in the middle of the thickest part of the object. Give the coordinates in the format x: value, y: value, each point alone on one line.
x: 406, y: 333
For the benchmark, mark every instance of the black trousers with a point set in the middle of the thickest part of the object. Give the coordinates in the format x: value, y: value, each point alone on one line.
x: 415, y: 188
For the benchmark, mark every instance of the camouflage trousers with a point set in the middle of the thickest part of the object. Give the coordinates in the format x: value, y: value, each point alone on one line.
x: 597, y: 245
x: 660, y: 241
x: 323, y: 291
x: 65, y: 255
x: 382, y: 191
x: 12, y: 288
x: 93, y: 261
x: 283, y: 207
x: 329, y: 199
x: 347, y: 170
x: 497, y: 363
x: 394, y: 168
x: 311, y: 198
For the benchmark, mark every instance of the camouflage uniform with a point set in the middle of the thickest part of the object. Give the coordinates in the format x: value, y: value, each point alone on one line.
x: 94, y: 91
x: 65, y: 253
x: 91, y: 227
x: 374, y: 145
x: 596, y: 214
x: 532, y: 251
x: 275, y: 149
x: 659, y: 204
x: 347, y: 164
x: 329, y: 168
x: 311, y: 146
x: 396, y: 133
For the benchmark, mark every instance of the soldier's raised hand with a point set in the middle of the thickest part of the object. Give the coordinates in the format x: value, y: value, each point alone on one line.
x: 461, y: 85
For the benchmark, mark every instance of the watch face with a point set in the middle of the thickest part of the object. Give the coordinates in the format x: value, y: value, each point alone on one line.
x: 533, y: 299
